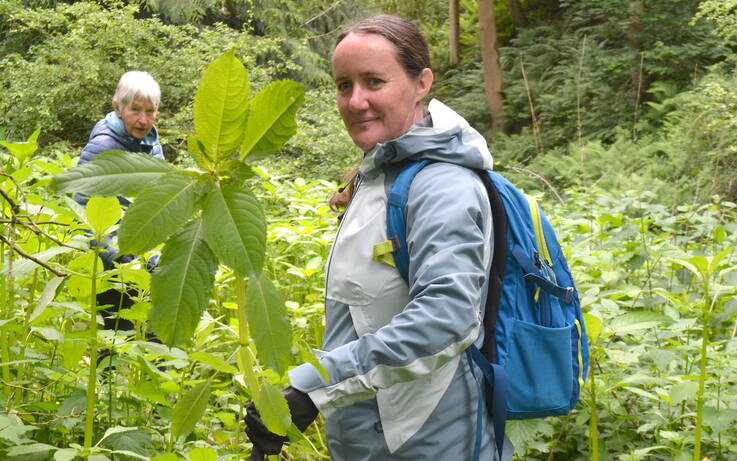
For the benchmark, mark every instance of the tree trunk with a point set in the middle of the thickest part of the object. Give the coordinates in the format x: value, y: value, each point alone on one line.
x: 454, y: 32
x: 492, y: 68
x: 634, y: 29
x: 518, y: 15
x: 634, y: 43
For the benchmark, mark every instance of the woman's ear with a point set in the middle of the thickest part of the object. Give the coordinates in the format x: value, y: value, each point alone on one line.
x: 116, y: 108
x: 424, y: 82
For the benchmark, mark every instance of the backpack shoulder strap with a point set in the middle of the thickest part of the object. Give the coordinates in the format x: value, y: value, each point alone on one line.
x: 395, y: 219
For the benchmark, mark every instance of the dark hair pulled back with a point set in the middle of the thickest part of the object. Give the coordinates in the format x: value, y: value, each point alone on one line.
x: 412, y: 50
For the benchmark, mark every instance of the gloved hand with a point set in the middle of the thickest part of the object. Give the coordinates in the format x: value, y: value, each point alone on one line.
x: 303, y: 412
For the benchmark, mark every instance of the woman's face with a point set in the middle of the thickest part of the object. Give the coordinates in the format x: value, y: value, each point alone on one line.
x: 377, y: 99
x: 138, y: 117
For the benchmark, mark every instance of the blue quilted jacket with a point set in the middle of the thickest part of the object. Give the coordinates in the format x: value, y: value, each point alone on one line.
x: 109, y: 133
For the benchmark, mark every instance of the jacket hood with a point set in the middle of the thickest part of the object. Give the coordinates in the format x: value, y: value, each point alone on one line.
x: 117, y: 126
x: 450, y: 139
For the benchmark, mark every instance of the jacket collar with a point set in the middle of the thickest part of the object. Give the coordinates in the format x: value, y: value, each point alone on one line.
x: 116, y: 125
x: 449, y: 139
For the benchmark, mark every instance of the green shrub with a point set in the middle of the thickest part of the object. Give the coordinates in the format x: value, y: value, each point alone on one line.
x: 65, y: 64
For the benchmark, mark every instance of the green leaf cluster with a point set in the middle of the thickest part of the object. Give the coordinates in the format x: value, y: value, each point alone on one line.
x: 208, y: 216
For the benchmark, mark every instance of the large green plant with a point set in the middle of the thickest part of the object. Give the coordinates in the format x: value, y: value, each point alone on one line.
x: 207, y: 217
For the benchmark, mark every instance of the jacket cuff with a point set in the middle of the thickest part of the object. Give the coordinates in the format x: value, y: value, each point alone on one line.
x: 307, y: 379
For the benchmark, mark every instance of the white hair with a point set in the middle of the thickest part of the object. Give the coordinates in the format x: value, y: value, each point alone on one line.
x: 137, y: 85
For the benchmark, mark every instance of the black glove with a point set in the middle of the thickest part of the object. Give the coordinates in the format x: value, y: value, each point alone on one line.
x: 303, y: 412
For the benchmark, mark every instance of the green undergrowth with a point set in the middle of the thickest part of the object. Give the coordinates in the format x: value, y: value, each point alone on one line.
x: 640, y: 265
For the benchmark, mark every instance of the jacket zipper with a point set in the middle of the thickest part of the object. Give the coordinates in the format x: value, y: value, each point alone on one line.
x: 359, y: 181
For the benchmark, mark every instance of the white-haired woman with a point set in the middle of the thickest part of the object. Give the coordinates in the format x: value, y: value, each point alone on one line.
x: 130, y: 128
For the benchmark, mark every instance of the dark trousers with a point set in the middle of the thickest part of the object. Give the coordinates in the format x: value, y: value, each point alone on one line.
x: 117, y: 300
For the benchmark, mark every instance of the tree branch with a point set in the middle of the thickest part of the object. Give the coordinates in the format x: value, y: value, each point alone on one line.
x: 32, y: 258
x: 541, y: 178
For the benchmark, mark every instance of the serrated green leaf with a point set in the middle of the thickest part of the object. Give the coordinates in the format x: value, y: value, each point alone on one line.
x: 181, y: 285
x: 524, y: 432
x: 74, y: 404
x: 66, y: 454
x: 102, y: 213
x: 46, y: 297
x: 159, y: 211
x: 272, y: 118
x: 719, y: 420
x: 216, y: 363
x: 189, y: 410
x: 643, y: 393
x: 97, y: 457
x: 273, y: 408
x: 22, y: 267
x: 71, y: 353
x: 130, y: 454
x: 684, y: 391
x: 77, y: 209
x: 12, y: 429
x: 33, y: 448
x: 112, y: 173
x: 23, y: 150
x: 128, y: 439
x: 269, y: 324
x: 202, y: 454
x: 637, y: 320
x: 694, y: 265
x: 235, y: 228
x: 150, y: 390
x: 166, y: 457
x: 221, y: 105
x: 228, y: 419
x: 199, y: 153
x: 717, y: 258
x: 593, y: 326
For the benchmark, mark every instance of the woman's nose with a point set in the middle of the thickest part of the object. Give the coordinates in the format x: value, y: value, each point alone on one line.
x: 358, y: 99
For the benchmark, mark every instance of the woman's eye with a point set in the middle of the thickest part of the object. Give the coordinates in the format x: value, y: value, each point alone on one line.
x: 375, y: 81
x: 342, y: 86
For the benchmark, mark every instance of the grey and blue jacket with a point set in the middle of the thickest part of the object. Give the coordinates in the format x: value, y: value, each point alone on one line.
x: 400, y: 387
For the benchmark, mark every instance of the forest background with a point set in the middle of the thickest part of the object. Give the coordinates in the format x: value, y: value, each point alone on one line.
x: 620, y: 115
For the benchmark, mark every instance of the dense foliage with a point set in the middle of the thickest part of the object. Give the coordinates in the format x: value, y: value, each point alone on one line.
x: 624, y: 120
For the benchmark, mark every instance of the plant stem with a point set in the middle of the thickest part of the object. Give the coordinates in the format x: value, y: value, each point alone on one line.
x: 92, y: 380
x: 594, y: 423
x: 20, y: 374
x: 244, y: 339
x: 702, y: 374
x: 7, y: 313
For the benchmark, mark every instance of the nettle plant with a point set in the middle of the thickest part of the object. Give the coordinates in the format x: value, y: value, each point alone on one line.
x: 205, y: 217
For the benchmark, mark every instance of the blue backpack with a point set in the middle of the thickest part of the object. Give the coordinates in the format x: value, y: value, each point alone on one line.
x: 536, y: 363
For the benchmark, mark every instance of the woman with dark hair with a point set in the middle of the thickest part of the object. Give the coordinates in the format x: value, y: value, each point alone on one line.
x: 400, y: 386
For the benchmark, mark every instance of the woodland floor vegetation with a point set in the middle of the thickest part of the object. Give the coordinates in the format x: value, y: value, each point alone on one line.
x: 625, y: 128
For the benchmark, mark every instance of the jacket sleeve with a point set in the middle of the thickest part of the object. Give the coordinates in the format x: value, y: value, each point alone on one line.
x: 95, y: 146
x: 449, y: 238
